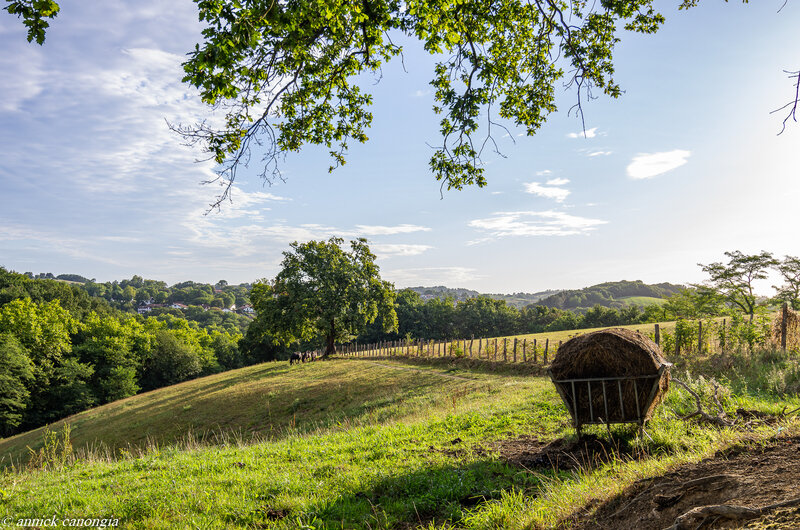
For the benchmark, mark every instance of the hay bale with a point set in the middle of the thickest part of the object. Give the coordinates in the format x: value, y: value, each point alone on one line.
x: 610, y: 353
x: 792, y: 329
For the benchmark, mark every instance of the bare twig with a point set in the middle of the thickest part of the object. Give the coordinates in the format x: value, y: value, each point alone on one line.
x: 719, y: 420
x: 793, y: 104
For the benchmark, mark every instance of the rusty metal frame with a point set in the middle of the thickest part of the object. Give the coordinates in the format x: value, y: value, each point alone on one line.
x: 594, y: 419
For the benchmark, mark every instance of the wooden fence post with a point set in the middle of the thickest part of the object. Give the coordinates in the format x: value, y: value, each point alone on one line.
x: 546, y: 347
x: 505, y: 350
x: 535, y: 352
x: 495, y: 349
x: 699, y: 336
x: 524, y: 353
x: 515, y: 349
x: 470, y: 347
x: 784, y: 325
x: 724, y: 332
x: 658, y: 335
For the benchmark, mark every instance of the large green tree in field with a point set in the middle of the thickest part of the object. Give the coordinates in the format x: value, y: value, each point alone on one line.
x: 734, y: 280
x: 291, y: 72
x: 324, y: 291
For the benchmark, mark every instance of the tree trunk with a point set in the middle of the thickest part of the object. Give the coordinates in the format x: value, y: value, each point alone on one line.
x: 330, y: 341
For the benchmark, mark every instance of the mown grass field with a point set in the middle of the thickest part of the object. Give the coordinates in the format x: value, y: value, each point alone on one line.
x: 348, y: 443
x: 643, y: 300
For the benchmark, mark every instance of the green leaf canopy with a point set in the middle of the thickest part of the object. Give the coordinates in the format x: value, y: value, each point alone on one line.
x: 323, y: 291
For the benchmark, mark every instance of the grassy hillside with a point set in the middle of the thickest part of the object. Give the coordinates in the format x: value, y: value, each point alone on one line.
x: 556, y: 336
x: 354, y: 444
x: 264, y: 401
x: 642, y: 300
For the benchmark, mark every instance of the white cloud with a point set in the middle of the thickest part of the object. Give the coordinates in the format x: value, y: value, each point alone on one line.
x: 557, y: 182
x: 549, y: 192
x: 421, y: 93
x: 377, y: 230
x: 388, y: 250
x: 543, y: 173
x: 649, y: 165
x: 599, y: 153
x: 52, y: 241
x: 588, y: 133
x: 413, y: 277
x: 528, y: 223
x: 215, y: 231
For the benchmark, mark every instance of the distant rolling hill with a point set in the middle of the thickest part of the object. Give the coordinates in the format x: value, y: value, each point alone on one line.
x: 612, y: 294
x: 609, y: 294
x: 518, y: 300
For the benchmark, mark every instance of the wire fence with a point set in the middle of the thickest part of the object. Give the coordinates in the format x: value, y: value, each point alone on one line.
x: 684, y: 337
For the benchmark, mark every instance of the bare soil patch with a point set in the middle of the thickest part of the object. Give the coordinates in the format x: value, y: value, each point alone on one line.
x: 749, y: 476
x: 564, y: 455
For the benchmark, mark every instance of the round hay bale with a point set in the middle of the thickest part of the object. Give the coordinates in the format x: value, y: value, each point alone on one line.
x: 610, y: 353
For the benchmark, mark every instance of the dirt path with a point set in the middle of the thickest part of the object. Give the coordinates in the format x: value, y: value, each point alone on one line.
x: 449, y: 376
x: 753, y: 476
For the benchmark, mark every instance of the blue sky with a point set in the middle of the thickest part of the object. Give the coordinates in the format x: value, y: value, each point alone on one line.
x: 684, y: 166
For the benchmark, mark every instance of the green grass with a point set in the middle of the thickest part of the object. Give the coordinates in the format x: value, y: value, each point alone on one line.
x: 556, y: 336
x: 262, y: 401
x: 643, y: 300
x: 355, y: 444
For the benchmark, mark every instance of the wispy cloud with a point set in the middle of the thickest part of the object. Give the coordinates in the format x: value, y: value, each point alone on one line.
x: 452, y: 276
x: 599, y: 153
x: 251, y: 238
x: 649, y: 165
x: 385, y: 250
x: 22, y: 78
x: 549, y: 192
x: 588, y: 133
x: 421, y: 93
x: 557, y: 182
x: 543, y: 173
x: 530, y: 223
x: 52, y: 241
x: 377, y: 230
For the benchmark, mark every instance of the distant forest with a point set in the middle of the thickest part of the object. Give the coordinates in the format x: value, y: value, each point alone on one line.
x: 206, y: 303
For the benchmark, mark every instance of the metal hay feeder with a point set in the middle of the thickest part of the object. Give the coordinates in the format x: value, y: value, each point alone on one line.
x: 607, y: 400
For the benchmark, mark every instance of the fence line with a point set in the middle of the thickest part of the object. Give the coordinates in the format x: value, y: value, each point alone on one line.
x: 687, y: 337
x: 488, y: 349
